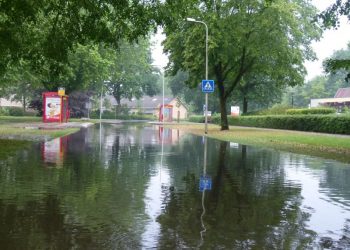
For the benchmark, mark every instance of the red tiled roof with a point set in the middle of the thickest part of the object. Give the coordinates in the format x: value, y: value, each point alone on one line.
x: 342, y: 93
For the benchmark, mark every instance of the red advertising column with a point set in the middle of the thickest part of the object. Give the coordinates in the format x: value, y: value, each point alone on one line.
x: 55, y: 107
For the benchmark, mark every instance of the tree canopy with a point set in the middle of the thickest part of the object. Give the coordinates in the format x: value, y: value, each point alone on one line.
x: 331, y: 18
x: 339, y: 61
x: 130, y: 71
x: 44, y: 31
x: 246, y: 38
x: 332, y: 14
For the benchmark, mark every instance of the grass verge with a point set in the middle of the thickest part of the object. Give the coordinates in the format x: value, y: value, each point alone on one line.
x: 322, y: 145
x: 9, y: 129
x: 8, y: 132
x: 14, y: 138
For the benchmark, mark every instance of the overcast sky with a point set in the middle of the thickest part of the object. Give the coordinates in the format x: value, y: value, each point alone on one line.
x: 331, y: 41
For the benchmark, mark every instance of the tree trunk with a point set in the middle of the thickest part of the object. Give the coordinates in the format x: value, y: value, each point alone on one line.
x: 24, y: 103
x: 117, y: 98
x: 223, y: 111
x: 245, y: 105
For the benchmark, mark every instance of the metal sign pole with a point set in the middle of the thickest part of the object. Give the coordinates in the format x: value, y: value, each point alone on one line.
x: 206, y: 69
x: 206, y: 78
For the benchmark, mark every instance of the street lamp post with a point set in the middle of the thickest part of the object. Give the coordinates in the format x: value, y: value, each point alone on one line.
x: 206, y: 69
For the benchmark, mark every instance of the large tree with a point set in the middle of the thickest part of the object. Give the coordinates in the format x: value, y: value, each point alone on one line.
x: 130, y: 72
x: 331, y: 18
x: 257, y: 91
x: 246, y: 37
x: 44, y: 31
x: 19, y: 83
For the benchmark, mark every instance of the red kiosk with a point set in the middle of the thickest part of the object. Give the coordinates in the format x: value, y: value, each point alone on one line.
x: 166, y: 113
x: 55, y: 106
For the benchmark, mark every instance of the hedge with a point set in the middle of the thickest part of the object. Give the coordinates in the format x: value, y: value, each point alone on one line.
x: 334, y: 124
x: 15, y: 111
x: 312, y: 111
x: 111, y: 115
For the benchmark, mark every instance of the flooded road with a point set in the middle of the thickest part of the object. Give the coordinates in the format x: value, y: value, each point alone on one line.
x: 144, y: 187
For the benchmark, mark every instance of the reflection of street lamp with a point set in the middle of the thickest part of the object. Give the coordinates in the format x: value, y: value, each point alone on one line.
x: 163, y: 80
x: 206, y: 68
x: 203, y: 193
x: 104, y: 82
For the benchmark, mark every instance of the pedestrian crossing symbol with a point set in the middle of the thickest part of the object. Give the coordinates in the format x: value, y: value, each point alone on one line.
x: 208, y: 86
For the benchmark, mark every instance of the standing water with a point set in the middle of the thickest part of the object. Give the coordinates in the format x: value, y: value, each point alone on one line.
x: 143, y: 187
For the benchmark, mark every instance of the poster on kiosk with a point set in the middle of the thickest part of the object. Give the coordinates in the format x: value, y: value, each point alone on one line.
x: 55, y: 107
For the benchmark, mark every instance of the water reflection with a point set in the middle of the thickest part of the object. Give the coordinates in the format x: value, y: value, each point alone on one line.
x: 53, y: 151
x: 136, y: 187
x: 204, y: 184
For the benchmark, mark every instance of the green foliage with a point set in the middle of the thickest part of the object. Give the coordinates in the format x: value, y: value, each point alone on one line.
x: 331, y: 15
x: 340, y: 60
x: 15, y: 111
x: 312, y: 111
x: 247, y: 40
x: 277, y: 109
x: 112, y: 115
x: 193, y: 96
x: 122, y: 109
x: 196, y: 118
x: 130, y: 73
x: 4, y: 111
x: 346, y: 110
x: 45, y: 31
x: 320, y: 86
x: 333, y: 124
x: 18, y: 119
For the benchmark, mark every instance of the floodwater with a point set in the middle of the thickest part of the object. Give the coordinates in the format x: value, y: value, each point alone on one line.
x: 136, y: 186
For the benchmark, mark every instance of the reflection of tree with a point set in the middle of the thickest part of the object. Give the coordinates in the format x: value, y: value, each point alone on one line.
x: 337, y: 180
x: 91, y: 201
x: 249, y: 206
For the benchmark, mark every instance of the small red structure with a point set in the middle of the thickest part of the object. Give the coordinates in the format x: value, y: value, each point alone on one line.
x: 55, y: 107
x: 166, y: 113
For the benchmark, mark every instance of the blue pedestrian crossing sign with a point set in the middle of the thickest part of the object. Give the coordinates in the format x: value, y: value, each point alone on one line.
x: 204, y: 183
x: 208, y: 86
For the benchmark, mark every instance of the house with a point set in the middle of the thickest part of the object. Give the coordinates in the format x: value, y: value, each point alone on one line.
x: 340, y: 100
x: 151, y: 105
x: 8, y: 102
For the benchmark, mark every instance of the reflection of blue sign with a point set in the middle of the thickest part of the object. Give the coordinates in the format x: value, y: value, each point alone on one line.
x: 208, y: 86
x: 204, y: 183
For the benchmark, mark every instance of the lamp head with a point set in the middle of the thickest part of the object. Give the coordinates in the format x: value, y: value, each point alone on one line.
x: 190, y: 19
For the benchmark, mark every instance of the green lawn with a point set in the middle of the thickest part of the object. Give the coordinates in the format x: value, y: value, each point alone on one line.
x: 9, y: 129
x: 324, y: 145
x: 19, y: 119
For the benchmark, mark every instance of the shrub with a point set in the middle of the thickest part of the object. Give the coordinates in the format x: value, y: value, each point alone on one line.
x: 4, y: 111
x: 15, y: 111
x: 107, y: 114
x: 333, y: 124
x: 313, y: 123
x: 312, y: 111
x: 277, y: 109
x: 196, y: 118
x: 201, y: 119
